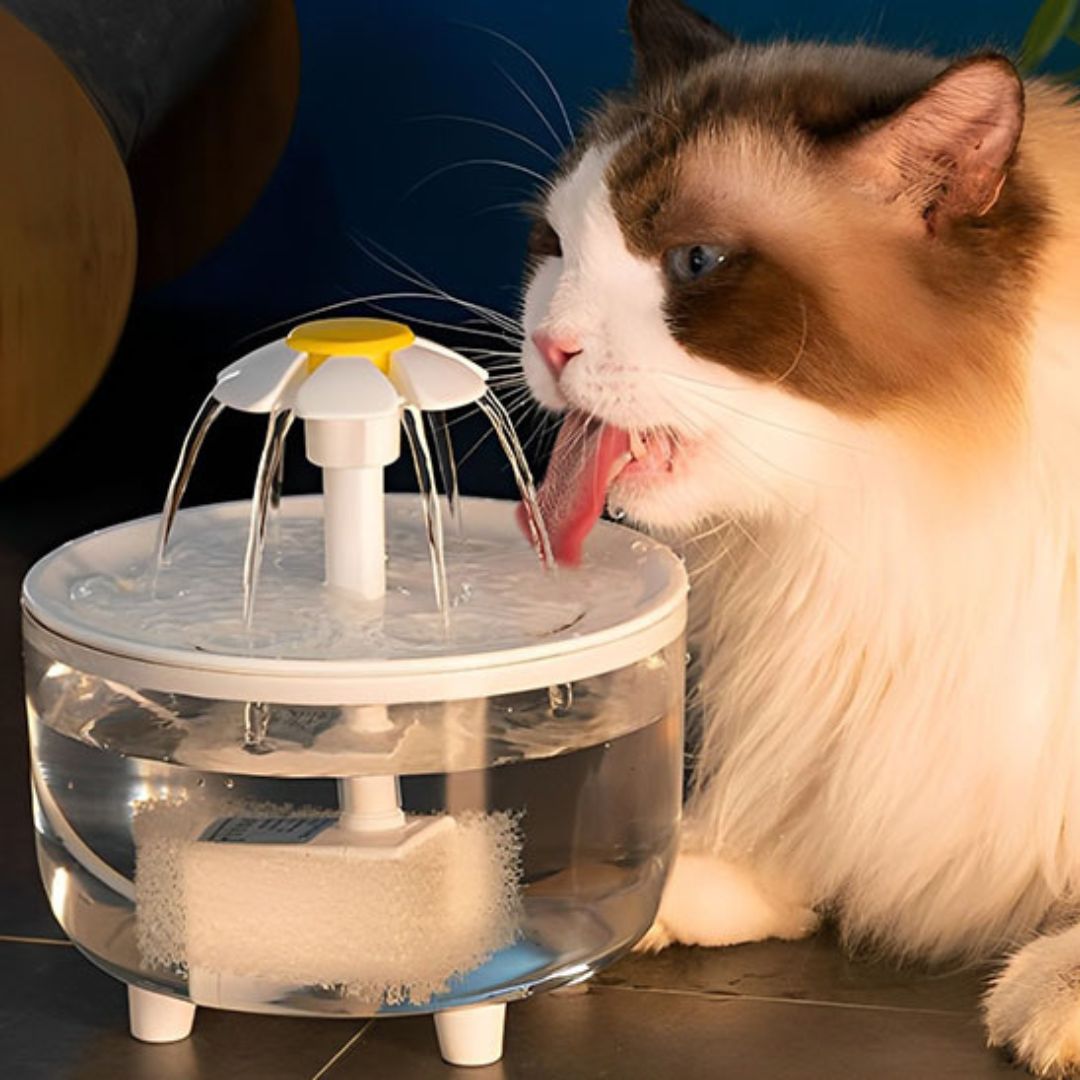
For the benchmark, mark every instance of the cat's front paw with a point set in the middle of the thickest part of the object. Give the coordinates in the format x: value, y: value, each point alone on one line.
x: 656, y: 939
x: 1033, y: 1009
x: 709, y: 901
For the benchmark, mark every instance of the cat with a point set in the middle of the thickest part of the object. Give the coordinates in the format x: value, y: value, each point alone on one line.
x: 813, y: 313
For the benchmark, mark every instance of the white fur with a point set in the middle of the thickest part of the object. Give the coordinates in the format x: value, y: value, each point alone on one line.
x: 1034, y: 1007
x: 750, y: 911
x: 891, y: 658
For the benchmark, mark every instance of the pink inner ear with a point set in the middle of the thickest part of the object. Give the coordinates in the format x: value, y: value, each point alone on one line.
x: 948, y: 150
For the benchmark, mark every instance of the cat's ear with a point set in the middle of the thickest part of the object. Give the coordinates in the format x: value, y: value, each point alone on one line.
x: 947, y: 152
x: 669, y: 37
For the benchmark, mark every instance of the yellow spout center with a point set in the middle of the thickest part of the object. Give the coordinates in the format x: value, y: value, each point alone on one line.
x: 374, y: 339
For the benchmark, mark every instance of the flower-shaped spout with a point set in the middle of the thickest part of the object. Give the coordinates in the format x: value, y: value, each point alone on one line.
x: 419, y: 372
x: 349, y: 380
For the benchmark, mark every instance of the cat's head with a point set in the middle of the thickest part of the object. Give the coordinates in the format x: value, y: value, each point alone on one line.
x: 759, y: 253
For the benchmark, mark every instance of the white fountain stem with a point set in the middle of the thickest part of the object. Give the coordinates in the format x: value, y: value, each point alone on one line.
x: 353, y: 523
x: 370, y: 803
x: 353, y: 456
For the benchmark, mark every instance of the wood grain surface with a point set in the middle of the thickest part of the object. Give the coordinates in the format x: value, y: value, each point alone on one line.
x: 67, y: 245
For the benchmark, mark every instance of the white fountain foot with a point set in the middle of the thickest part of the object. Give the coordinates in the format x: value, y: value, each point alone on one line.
x: 158, y: 1018
x: 472, y: 1035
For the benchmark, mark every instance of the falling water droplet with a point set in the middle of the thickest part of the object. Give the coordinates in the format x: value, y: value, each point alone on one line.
x: 617, y: 513
x: 230, y: 783
x: 561, y: 699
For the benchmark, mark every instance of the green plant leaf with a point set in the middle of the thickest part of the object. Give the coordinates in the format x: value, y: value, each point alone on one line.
x: 1052, y: 21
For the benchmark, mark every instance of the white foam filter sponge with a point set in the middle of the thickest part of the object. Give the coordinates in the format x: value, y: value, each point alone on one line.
x: 325, y: 911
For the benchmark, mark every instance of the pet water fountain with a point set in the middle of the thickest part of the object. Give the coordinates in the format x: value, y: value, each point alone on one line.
x: 319, y: 756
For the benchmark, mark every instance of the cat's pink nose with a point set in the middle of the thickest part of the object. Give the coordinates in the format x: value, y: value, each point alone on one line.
x: 556, y: 349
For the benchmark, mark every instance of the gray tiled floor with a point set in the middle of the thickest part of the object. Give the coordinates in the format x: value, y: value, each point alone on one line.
x: 800, y: 1011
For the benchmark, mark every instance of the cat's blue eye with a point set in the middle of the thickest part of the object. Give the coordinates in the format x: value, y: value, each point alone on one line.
x: 692, y: 262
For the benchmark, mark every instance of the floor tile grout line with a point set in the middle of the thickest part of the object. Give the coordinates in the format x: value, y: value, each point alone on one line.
x: 719, y: 995
x: 20, y: 939
x: 344, y: 1050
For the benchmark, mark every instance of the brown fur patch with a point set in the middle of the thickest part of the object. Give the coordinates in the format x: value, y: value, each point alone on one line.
x: 841, y: 299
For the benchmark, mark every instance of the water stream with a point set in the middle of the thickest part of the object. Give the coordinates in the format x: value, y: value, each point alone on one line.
x: 277, y: 428
x: 426, y: 454
x: 503, y: 427
x: 444, y: 455
x: 208, y: 412
x: 425, y: 477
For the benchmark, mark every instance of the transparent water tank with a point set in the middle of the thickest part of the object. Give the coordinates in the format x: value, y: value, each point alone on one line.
x: 201, y: 787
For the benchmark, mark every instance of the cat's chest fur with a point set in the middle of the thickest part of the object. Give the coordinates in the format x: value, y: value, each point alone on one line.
x: 892, y: 707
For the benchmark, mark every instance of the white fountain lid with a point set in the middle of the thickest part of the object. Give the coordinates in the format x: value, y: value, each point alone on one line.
x: 512, y: 628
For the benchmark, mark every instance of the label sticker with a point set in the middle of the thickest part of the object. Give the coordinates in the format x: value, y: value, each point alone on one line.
x: 266, y: 830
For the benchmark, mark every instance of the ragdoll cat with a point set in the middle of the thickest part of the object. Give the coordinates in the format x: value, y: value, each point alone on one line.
x: 814, y: 312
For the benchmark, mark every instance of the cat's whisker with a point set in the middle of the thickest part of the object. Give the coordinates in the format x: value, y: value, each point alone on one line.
x: 536, y: 64
x: 410, y: 274
x: 478, y: 122
x: 545, y: 428
x: 708, y: 386
x: 473, y: 163
x: 752, y: 541
x: 532, y: 105
x: 371, y: 300
x: 504, y: 368
x: 801, y: 350
x: 520, y: 205
x: 804, y: 515
x: 503, y: 375
x: 705, y: 534
x: 698, y: 571
x: 516, y: 399
x: 756, y: 478
x: 484, y: 436
x: 425, y: 321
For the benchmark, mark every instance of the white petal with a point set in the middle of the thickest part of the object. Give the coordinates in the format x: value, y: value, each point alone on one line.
x: 347, y: 388
x: 434, y: 377
x: 264, y: 378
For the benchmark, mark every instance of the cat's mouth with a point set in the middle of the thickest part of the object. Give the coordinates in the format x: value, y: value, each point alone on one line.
x: 589, y: 458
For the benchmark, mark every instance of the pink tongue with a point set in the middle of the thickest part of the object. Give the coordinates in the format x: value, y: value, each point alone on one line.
x: 585, y: 460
